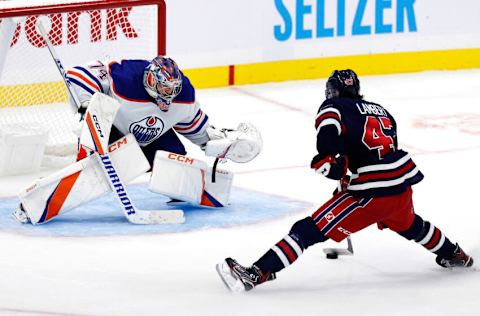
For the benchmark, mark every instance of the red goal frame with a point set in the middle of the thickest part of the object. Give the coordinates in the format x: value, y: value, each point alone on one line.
x: 96, y: 5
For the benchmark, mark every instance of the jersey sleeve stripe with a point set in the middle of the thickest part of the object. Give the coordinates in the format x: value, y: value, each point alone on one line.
x: 199, y: 112
x: 80, y: 84
x: 202, y: 124
x: 195, y: 128
x: 329, y: 110
x: 330, y: 121
x: 191, y: 124
x: 91, y: 76
x: 79, y: 77
x: 325, y: 116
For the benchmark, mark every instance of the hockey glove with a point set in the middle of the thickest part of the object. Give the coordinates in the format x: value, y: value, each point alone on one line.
x: 334, y: 168
x: 239, y: 145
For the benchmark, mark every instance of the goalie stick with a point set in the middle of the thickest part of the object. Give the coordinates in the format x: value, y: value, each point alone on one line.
x: 133, y: 214
x: 60, y: 68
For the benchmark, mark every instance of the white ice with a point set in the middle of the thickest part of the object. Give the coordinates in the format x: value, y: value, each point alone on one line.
x: 174, y: 274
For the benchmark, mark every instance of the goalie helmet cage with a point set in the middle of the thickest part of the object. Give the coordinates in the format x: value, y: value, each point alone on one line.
x: 31, y: 89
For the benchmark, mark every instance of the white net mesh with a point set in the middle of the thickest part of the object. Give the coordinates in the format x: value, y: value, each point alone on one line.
x: 31, y: 88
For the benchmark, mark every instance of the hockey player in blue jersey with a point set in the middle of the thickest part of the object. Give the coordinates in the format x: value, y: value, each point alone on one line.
x: 360, y: 136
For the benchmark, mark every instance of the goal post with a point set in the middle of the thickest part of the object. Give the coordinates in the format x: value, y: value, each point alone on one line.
x: 31, y: 89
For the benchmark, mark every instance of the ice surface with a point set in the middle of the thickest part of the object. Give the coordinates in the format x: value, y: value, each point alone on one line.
x: 174, y: 273
x: 103, y: 217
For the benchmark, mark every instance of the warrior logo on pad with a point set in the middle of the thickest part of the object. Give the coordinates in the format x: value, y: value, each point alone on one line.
x: 147, y: 130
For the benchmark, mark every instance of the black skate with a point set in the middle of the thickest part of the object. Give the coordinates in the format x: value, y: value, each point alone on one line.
x: 460, y: 259
x: 238, y: 278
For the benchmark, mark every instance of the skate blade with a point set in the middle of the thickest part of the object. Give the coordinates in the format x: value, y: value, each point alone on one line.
x: 20, y: 216
x: 229, y: 279
x: 338, y: 251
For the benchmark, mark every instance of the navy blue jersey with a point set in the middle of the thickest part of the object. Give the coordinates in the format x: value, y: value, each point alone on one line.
x: 366, y: 134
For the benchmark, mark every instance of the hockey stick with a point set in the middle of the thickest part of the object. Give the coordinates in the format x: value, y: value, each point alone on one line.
x: 100, y: 138
x: 133, y: 214
x: 60, y: 68
x: 333, y: 253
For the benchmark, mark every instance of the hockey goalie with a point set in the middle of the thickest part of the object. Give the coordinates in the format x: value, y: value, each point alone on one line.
x: 132, y: 112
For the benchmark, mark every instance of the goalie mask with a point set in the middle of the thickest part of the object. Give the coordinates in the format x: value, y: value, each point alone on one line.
x: 163, y: 81
x: 343, y: 83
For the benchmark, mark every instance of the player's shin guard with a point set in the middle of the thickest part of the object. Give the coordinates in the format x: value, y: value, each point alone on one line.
x: 303, y: 234
x: 430, y: 237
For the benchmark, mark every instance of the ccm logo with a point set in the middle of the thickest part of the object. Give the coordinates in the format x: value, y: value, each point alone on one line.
x: 118, y: 144
x: 97, y: 125
x: 344, y: 231
x: 180, y: 158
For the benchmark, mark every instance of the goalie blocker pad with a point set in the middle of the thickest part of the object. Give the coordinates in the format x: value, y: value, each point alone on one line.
x: 190, y: 180
x: 81, y: 182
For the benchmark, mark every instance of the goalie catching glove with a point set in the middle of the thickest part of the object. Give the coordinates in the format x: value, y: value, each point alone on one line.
x: 239, y: 145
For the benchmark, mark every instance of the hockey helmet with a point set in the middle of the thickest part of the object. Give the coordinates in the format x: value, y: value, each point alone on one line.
x: 162, y: 80
x: 343, y: 83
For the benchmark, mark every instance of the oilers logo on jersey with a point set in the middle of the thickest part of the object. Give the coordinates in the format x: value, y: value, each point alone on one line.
x: 147, y: 129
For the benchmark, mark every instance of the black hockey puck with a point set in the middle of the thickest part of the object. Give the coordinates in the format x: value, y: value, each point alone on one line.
x: 332, y: 255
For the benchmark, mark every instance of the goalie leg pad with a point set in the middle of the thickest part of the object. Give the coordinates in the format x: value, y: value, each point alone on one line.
x: 72, y: 186
x: 217, y: 194
x: 80, y: 182
x: 187, y: 179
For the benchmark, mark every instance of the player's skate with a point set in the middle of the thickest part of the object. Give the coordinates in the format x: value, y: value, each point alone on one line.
x: 20, y: 215
x: 459, y: 259
x: 238, y: 278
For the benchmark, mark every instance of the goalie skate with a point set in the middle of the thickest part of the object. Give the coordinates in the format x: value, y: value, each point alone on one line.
x: 20, y: 215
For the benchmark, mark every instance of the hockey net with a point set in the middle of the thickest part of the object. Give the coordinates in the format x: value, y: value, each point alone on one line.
x: 32, y: 91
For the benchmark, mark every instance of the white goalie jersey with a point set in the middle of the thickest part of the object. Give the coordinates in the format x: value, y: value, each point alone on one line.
x: 139, y: 114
